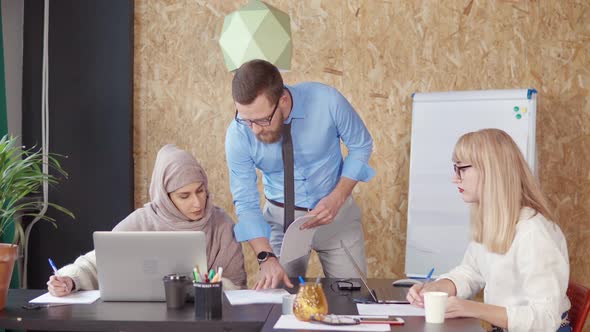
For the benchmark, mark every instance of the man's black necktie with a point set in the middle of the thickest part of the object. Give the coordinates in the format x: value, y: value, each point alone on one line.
x: 289, y: 178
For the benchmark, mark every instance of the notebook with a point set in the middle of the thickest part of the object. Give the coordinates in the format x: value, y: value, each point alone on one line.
x: 131, y: 265
x: 380, y: 294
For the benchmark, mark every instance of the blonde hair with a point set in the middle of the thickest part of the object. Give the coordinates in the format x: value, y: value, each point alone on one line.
x: 506, y: 185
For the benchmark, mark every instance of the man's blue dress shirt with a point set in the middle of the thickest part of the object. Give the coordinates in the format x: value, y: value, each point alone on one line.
x: 320, y: 118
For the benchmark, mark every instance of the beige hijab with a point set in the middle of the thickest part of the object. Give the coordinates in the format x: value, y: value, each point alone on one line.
x: 174, y: 169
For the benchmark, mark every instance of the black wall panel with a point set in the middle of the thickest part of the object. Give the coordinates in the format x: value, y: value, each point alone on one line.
x: 90, y: 119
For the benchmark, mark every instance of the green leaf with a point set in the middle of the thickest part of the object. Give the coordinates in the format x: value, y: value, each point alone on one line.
x: 21, y: 172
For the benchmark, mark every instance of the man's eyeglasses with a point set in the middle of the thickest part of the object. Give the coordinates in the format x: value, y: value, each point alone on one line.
x: 459, y: 170
x: 264, y: 122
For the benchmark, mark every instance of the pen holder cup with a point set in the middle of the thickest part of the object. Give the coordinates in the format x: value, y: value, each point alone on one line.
x: 310, y: 300
x: 208, y: 303
x: 175, y: 286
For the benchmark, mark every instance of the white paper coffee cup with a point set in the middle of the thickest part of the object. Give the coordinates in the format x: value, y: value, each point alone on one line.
x: 288, y: 304
x: 435, y: 304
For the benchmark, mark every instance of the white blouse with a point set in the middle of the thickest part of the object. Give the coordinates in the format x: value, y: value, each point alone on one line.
x: 530, y: 280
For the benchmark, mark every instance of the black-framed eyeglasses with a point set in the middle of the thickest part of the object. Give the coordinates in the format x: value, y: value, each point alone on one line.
x: 459, y: 169
x: 264, y: 122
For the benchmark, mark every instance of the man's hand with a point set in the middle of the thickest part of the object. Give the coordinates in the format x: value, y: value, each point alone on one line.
x: 60, y: 286
x: 270, y: 275
x: 328, y: 207
x: 325, y: 211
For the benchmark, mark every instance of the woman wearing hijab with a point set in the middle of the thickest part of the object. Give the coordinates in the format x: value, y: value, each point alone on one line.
x: 180, y: 201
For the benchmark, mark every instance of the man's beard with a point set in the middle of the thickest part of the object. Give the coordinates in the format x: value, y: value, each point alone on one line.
x: 269, y: 136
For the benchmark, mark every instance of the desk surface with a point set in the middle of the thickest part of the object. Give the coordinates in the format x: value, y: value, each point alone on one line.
x: 153, y: 316
x: 343, y: 305
x: 125, y: 316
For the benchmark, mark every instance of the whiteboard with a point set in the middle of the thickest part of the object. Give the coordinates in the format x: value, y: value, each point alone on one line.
x: 438, y: 219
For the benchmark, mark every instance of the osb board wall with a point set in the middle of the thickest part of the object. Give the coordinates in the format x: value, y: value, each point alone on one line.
x: 377, y: 53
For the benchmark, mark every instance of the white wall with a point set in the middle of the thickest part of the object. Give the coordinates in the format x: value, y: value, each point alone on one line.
x: 12, y: 29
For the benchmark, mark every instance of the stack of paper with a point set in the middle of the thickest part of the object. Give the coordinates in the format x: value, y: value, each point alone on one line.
x: 290, y: 322
x: 82, y: 297
x: 296, y: 242
x: 389, y: 310
x: 249, y: 296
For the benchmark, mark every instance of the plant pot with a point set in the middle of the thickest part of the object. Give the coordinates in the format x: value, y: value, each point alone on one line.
x: 8, y: 254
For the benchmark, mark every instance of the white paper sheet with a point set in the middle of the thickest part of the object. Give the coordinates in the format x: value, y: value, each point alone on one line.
x: 292, y: 323
x: 249, y: 296
x: 389, y: 310
x: 82, y: 297
x: 296, y: 242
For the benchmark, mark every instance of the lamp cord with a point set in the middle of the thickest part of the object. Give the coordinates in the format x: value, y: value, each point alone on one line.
x: 44, y: 141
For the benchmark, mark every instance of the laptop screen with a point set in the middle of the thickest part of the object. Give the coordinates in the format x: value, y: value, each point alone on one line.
x: 394, y: 295
x: 131, y: 265
x: 359, y: 271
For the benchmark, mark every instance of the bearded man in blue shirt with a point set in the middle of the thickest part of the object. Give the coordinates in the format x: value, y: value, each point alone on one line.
x: 319, y: 118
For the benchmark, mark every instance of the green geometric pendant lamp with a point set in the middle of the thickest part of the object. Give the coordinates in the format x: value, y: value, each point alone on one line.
x: 256, y: 31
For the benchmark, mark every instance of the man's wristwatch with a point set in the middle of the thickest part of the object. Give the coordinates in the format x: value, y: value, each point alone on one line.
x: 263, y: 256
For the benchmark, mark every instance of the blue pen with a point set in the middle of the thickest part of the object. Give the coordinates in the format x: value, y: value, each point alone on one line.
x: 429, y: 276
x: 301, y: 281
x: 52, y: 266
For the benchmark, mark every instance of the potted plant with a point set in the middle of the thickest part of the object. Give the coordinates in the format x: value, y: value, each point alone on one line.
x: 22, y: 175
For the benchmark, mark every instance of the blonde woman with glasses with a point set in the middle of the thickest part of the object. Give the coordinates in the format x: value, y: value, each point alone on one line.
x: 516, y: 252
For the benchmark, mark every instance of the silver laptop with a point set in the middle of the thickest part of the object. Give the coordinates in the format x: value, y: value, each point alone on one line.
x: 131, y: 265
x: 381, y: 294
